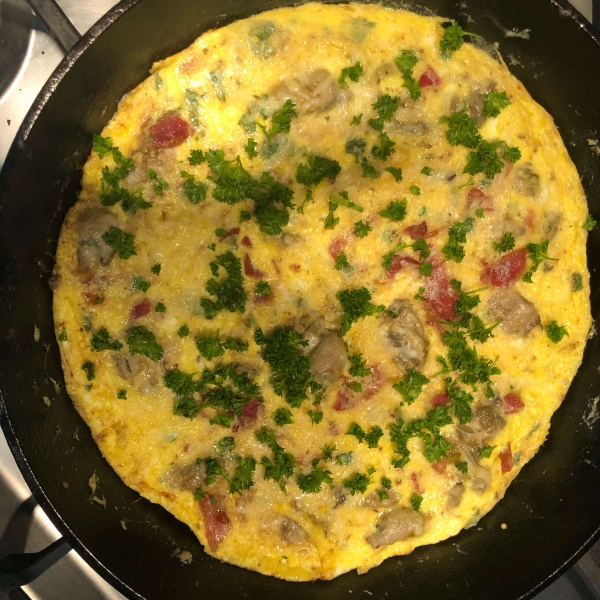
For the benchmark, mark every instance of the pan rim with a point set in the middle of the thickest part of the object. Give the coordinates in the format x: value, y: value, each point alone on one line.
x: 566, y: 10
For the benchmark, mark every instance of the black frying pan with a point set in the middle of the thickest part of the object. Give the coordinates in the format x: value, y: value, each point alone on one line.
x: 552, y: 510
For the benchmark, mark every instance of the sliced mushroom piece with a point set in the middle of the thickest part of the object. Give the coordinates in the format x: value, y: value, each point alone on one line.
x: 141, y: 372
x: 292, y: 533
x: 128, y: 366
x: 327, y: 360
x: 340, y: 495
x: 475, y: 102
x: 187, y: 477
x: 485, y: 424
x: 374, y: 501
x: 406, y: 334
x: 92, y: 223
x: 527, y: 181
x: 395, y: 525
x: 455, y: 495
x: 312, y: 92
x: 310, y: 325
x: 551, y: 224
x: 519, y: 316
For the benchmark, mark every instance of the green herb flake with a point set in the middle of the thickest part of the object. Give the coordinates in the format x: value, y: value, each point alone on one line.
x: 385, y: 148
x: 495, y: 101
x: 312, y: 483
x: 156, y: 268
x: 160, y: 307
x: 589, y: 224
x: 120, y: 241
x: 213, y: 347
x: 356, y: 304
x: 316, y: 169
x: 183, y: 331
x: 372, y: 438
x: 356, y: 119
x: 555, y: 332
x: 356, y: 147
x: 462, y: 466
x: 62, y: 336
x: 225, y: 445
x: 357, y: 484
x: 576, y: 282
x: 406, y: 63
x: 411, y: 386
x: 242, y: 476
x: 486, y: 451
x: 250, y: 148
x: 122, y: 395
x: 396, y: 173
x: 101, y: 340
x: 341, y: 263
x: 361, y: 229
x: 245, y: 215
x: 140, y: 284
x: 315, y: 417
x: 462, y: 130
x: 415, y: 190
x: 506, y: 243
x: 262, y: 288
x: 358, y: 366
x: 457, y: 236
x: 452, y: 39
x: 357, y: 431
x: 368, y: 170
x: 427, y: 171
x: 229, y: 292
x: 283, y: 416
x: 142, y: 341
x: 415, y: 501
x: 395, y: 210
x: 354, y: 73
x: 90, y: 372
x: 194, y: 191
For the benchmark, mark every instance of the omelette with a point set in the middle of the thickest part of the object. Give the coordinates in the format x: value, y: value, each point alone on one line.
x: 324, y: 286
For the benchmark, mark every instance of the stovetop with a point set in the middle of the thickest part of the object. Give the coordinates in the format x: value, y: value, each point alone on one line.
x: 28, y: 56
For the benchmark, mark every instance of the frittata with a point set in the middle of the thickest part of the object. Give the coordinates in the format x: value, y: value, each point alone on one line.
x: 324, y: 286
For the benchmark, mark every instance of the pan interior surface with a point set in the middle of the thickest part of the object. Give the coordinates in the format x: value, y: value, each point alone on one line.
x: 551, y: 509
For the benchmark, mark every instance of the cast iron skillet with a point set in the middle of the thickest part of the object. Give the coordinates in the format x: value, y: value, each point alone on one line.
x: 551, y: 511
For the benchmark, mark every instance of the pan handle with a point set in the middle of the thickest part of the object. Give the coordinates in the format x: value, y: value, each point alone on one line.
x: 56, y: 22
x: 20, y: 569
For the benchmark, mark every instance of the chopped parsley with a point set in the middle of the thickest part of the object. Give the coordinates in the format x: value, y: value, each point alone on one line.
x: 427, y: 171
x: 159, y: 185
x: 555, y: 331
x: 386, y: 482
x: 462, y: 466
x: 101, y: 340
x: 354, y: 73
x: 372, y: 438
x: 361, y: 229
x: 120, y: 241
x: 452, y: 39
x: 290, y: 368
x: 395, y: 210
x: 356, y: 304
x: 345, y: 458
x: 406, y: 63
x: 415, y: 190
x: 328, y: 450
x: 462, y: 130
x: 122, y: 395
x: 457, y: 236
x: 415, y: 501
x: 229, y: 292
x: 156, y: 268
x: 142, y: 341
x: 345, y: 201
x: 242, y: 476
x: 213, y: 347
x: 194, y: 191
x: 183, y: 331
x: 590, y: 223
x: 262, y: 288
x: 411, y: 386
x: 316, y: 169
x: 506, y: 243
x: 355, y: 386
x: 281, y: 120
x: 63, y: 337
x: 312, y: 483
x: 315, y: 417
x: 486, y: 451
x: 494, y: 102
x: 283, y: 463
x: 359, y: 482
x: 90, y: 372
x: 368, y: 170
x: 385, y: 148
x: 487, y: 160
x: 140, y: 284
x: 356, y: 147
x: 225, y: 445
x: 396, y: 173
x: 356, y: 119
x: 250, y: 148
x: 385, y: 106
x: 538, y: 254
x: 341, y: 263
x: 245, y: 215
x: 283, y: 416
x: 576, y: 285
x: 358, y: 366
x: 357, y: 431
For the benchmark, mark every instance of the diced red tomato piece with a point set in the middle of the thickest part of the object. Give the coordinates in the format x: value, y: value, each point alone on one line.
x: 250, y: 269
x: 415, y: 479
x: 429, y: 77
x: 506, y: 271
x: 246, y: 241
x: 337, y: 246
x: 512, y: 404
x: 506, y: 459
x: 416, y: 231
x: 439, y: 466
x: 251, y: 411
x: 216, y: 521
x: 398, y: 263
x: 141, y: 309
x: 440, y: 295
x: 440, y: 399
x: 229, y: 233
x: 348, y: 398
x: 169, y: 131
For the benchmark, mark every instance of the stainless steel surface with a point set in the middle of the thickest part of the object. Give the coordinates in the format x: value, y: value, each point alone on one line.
x: 23, y: 525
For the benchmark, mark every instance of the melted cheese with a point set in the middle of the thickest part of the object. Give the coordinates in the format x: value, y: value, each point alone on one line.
x: 251, y: 66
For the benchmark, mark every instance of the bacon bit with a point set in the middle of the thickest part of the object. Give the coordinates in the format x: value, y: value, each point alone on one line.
x: 229, y: 233
x: 246, y: 241
x: 506, y: 271
x: 440, y: 295
x: 512, y: 404
x: 439, y: 466
x: 430, y: 77
x: 432, y: 234
x: 92, y: 298
x: 169, y: 131
x: 276, y: 266
x: 294, y: 267
x: 417, y: 231
x: 506, y: 459
x: 415, y: 480
x: 260, y: 299
x: 337, y: 246
x: 250, y: 412
x: 479, y: 199
x: 530, y: 219
x: 398, y: 263
x: 216, y: 521
x: 440, y: 399
x: 347, y: 398
x: 141, y: 309
x: 188, y: 65
x: 250, y: 270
